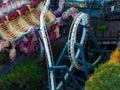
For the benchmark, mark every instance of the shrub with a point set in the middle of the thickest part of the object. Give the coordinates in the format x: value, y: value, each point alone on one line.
x: 115, y: 57
x: 27, y: 75
x: 106, y: 77
x: 101, y: 27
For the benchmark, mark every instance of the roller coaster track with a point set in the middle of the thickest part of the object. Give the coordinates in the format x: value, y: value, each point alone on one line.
x: 47, y: 45
x: 83, y: 19
x: 80, y: 18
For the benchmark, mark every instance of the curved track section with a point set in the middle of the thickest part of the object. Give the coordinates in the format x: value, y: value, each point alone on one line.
x: 82, y: 19
x: 47, y: 46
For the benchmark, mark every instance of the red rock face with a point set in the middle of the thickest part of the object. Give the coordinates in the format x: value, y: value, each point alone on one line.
x: 17, y: 27
x: 9, y: 8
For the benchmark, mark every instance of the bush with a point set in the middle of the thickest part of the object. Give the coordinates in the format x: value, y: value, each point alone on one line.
x: 27, y: 75
x: 115, y: 57
x: 101, y: 27
x: 106, y: 77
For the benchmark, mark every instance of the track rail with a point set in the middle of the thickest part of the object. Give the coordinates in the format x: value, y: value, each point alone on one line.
x: 83, y: 19
x: 47, y: 45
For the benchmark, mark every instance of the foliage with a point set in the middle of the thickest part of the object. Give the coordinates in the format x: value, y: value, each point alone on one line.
x: 106, y: 77
x: 27, y: 75
x: 115, y: 57
x: 101, y: 27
